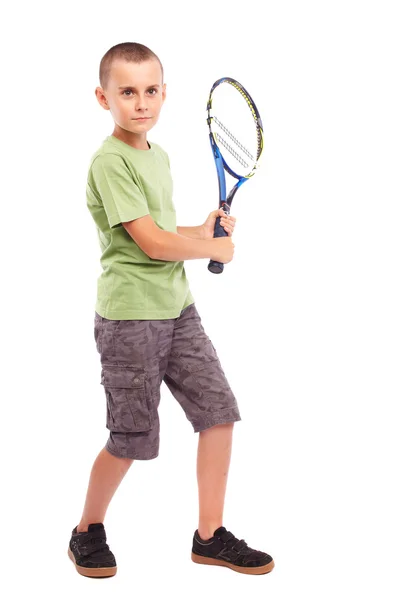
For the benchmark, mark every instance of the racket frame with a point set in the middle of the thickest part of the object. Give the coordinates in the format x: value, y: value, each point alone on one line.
x: 222, y: 166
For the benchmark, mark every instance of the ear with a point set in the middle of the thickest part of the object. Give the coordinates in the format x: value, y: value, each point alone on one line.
x: 101, y: 98
x: 164, y: 92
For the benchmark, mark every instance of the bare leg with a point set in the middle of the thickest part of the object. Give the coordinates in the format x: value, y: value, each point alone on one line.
x: 213, y: 459
x: 107, y: 473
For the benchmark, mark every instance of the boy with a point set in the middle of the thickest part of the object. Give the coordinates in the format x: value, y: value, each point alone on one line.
x: 147, y: 328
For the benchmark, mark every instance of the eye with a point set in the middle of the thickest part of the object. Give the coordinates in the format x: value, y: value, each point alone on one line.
x: 129, y: 92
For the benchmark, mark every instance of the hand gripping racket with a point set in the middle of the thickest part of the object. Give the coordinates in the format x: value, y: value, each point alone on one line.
x: 236, y: 137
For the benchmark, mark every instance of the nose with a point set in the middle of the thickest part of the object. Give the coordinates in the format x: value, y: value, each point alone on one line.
x: 141, y: 103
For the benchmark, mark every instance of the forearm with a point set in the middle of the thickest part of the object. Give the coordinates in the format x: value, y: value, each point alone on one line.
x: 174, y: 247
x: 196, y: 233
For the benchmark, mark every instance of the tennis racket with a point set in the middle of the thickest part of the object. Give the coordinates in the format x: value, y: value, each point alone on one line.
x: 236, y: 137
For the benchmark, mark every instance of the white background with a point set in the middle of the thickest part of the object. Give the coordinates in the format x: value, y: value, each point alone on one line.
x: 305, y: 319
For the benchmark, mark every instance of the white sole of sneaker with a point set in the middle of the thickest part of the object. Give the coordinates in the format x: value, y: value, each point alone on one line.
x: 99, y: 572
x: 205, y: 560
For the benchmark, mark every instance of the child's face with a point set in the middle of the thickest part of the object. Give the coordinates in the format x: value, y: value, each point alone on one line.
x: 134, y: 90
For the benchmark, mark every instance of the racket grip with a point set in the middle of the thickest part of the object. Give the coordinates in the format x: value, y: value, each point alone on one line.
x: 214, y: 266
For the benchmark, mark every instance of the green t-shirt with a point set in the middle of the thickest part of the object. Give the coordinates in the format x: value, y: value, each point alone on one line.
x: 123, y: 184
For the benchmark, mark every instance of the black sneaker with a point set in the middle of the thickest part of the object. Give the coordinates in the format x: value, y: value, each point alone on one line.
x: 225, y: 550
x: 90, y: 553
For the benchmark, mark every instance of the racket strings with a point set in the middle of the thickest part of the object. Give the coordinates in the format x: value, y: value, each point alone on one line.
x: 231, y: 150
x: 241, y: 146
x: 234, y: 139
x: 249, y: 102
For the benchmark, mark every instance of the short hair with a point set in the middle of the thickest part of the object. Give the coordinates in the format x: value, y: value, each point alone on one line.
x: 129, y: 51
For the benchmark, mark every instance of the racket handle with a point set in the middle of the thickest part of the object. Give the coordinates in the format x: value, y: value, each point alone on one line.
x: 214, y: 266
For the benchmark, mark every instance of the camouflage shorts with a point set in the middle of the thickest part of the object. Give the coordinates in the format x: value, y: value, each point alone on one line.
x: 136, y: 356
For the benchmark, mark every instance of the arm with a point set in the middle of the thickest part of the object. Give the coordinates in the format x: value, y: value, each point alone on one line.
x: 196, y: 233
x: 173, y: 246
x: 166, y: 245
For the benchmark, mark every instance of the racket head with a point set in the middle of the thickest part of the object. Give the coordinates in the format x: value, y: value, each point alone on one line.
x: 235, y: 127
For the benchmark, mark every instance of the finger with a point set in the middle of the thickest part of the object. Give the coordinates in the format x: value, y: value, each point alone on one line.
x: 226, y: 222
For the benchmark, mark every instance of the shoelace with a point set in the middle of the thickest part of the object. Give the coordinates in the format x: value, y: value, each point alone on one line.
x: 93, y: 544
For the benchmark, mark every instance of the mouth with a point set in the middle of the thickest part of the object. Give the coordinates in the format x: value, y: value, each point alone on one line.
x: 142, y: 118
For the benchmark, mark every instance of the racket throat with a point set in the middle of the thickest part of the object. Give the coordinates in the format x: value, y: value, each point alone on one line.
x: 225, y: 207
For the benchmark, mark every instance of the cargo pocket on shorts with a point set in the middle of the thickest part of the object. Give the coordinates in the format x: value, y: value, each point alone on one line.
x: 128, y: 401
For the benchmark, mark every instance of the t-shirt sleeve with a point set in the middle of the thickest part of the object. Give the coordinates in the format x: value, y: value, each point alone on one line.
x: 121, y: 196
